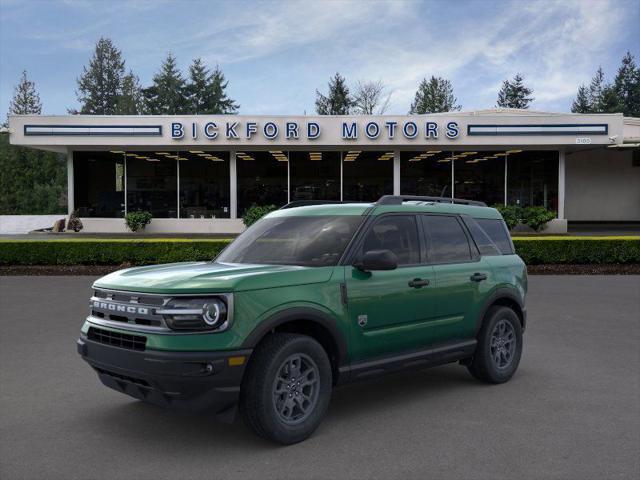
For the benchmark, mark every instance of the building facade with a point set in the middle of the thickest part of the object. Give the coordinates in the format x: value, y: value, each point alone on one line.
x: 201, y: 173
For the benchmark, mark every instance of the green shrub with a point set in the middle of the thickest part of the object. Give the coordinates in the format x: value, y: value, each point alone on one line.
x: 535, y: 217
x: 255, y: 213
x: 137, y: 220
x: 510, y: 213
x: 578, y: 250
x: 108, y: 252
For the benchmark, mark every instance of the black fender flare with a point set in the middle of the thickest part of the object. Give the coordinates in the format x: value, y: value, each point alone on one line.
x: 499, y: 294
x: 300, y: 313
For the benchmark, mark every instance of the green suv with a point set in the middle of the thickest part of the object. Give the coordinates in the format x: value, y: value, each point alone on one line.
x: 308, y: 298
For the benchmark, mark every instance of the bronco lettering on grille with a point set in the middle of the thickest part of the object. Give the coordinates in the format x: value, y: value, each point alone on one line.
x: 114, y: 307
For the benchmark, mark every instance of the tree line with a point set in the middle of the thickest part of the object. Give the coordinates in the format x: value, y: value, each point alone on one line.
x: 106, y: 88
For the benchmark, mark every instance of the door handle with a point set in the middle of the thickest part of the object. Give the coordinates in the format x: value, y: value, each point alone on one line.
x: 477, y: 277
x: 418, y: 282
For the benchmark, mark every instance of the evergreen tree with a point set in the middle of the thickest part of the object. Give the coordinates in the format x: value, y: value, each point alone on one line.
x: 100, y: 85
x: 196, y: 89
x: 206, y: 91
x: 596, y: 91
x: 338, y: 101
x: 218, y: 100
x: 31, y: 181
x: 433, y: 96
x: 25, y: 99
x: 167, y: 95
x: 514, y: 94
x: 581, y: 104
x: 130, y: 101
x: 627, y: 86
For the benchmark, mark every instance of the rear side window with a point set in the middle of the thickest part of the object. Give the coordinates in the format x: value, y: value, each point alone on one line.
x: 396, y: 233
x: 481, y: 238
x: 447, y: 241
x: 498, y: 233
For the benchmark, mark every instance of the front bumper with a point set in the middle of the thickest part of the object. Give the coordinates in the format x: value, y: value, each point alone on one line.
x: 195, y: 381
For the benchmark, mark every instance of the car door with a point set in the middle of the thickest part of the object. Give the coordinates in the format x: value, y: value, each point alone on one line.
x: 389, y: 310
x: 460, y: 275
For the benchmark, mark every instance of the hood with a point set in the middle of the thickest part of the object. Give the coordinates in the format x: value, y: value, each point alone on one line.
x: 203, y: 277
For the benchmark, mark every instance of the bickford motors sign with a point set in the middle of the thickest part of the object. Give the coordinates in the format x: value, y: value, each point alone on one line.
x: 294, y: 130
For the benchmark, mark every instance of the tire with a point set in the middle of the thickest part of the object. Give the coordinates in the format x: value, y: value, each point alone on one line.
x: 499, y: 346
x: 276, y: 405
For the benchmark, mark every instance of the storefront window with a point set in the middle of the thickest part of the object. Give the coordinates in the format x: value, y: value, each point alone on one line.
x: 152, y: 183
x: 262, y: 179
x: 366, y: 176
x: 479, y: 176
x: 315, y: 175
x: 204, y: 184
x: 426, y: 172
x: 532, y: 179
x: 99, y: 184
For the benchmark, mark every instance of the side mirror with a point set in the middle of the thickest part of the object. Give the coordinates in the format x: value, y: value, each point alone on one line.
x: 377, y: 260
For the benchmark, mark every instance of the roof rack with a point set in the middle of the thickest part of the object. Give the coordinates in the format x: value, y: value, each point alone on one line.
x: 399, y: 199
x: 306, y: 203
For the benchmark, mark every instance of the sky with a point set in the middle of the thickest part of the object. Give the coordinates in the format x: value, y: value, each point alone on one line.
x: 276, y: 54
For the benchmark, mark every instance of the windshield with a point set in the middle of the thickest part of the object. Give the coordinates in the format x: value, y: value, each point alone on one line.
x: 312, y: 241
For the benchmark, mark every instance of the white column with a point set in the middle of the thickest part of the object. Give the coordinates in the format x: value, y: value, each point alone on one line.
x: 70, y: 186
x: 341, y: 176
x: 288, y: 177
x: 506, y: 170
x: 561, y: 176
x: 453, y: 176
x: 233, y: 185
x: 177, y: 188
x: 396, y: 172
x: 125, y: 185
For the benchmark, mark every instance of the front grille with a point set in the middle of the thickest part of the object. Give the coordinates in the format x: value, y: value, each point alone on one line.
x: 116, y: 339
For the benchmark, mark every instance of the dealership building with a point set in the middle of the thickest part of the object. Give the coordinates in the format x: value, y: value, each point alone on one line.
x: 199, y: 174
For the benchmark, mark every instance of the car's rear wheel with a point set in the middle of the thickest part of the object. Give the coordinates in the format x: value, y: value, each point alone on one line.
x: 287, y: 388
x: 499, y: 347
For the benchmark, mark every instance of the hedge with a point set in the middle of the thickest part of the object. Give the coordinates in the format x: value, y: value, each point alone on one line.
x: 107, y: 251
x: 578, y: 250
x: 533, y: 250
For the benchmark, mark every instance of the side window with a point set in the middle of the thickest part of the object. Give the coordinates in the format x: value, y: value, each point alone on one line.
x: 480, y: 237
x: 497, y: 231
x: 398, y: 234
x: 447, y: 241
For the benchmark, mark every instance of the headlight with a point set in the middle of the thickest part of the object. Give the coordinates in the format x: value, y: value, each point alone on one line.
x: 195, y: 314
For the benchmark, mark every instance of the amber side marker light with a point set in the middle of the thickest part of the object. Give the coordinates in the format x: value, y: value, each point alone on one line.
x: 236, y: 361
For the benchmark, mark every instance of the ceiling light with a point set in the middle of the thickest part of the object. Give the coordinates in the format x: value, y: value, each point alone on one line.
x: 514, y: 151
x: 152, y: 160
x: 434, y: 151
x: 116, y: 151
x: 131, y: 154
x: 196, y: 151
x: 141, y: 157
x: 162, y: 153
x: 444, y: 160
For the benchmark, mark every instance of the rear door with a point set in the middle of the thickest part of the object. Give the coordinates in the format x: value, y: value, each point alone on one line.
x: 460, y: 274
x: 389, y: 311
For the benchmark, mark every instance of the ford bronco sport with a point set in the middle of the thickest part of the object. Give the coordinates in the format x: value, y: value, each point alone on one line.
x: 308, y: 298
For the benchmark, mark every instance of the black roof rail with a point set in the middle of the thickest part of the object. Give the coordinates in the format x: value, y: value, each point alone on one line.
x: 306, y: 203
x: 399, y: 199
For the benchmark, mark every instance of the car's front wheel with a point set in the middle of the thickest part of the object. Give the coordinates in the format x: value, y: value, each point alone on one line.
x: 499, y: 347
x: 287, y: 388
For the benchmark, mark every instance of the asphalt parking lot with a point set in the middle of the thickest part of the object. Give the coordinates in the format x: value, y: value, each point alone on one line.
x: 571, y: 412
